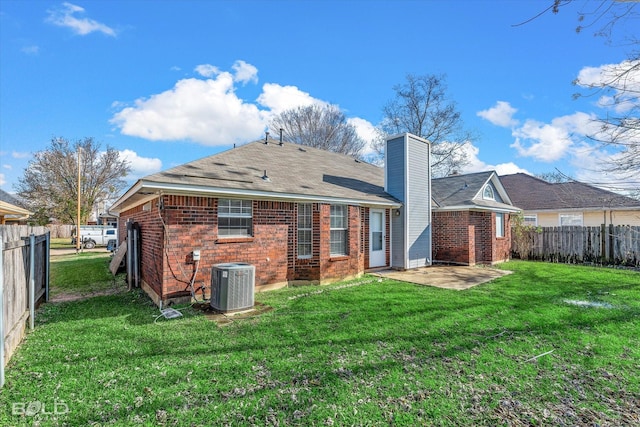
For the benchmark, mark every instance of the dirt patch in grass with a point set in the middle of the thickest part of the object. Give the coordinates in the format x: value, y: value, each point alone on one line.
x: 76, y: 296
x: 223, y: 319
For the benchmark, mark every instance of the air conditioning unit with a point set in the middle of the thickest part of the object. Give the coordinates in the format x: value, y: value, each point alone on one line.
x: 232, y: 286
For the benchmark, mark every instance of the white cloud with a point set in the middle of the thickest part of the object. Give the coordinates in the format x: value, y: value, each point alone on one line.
x: 367, y: 131
x: 549, y: 142
x: 207, y: 110
x: 141, y: 166
x: 204, y: 111
x: 3, y: 181
x: 207, y: 70
x: 7, y: 167
x: 66, y: 16
x: 500, y: 115
x: 279, y: 98
x: 245, y: 73
x: 477, y: 165
x: 621, y: 81
x: 20, y: 154
x: 31, y: 49
x: 591, y: 164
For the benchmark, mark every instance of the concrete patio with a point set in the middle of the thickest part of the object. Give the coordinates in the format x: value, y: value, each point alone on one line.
x: 445, y: 276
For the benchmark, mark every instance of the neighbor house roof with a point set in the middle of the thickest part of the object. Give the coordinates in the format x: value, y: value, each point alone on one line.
x: 274, y: 171
x: 465, y: 192
x: 9, y: 205
x: 534, y: 194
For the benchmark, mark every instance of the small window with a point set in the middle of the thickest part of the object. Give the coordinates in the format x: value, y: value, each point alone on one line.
x: 571, y: 219
x: 235, y: 218
x: 531, y: 220
x: 305, y: 229
x: 111, y: 232
x: 488, y: 193
x: 339, y: 229
x: 499, y: 225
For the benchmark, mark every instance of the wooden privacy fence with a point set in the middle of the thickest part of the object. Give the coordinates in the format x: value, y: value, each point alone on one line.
x: 24, y: 280
x: 617, y: 245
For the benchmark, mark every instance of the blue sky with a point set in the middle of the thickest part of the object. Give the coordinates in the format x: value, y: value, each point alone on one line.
x: 167, y: 82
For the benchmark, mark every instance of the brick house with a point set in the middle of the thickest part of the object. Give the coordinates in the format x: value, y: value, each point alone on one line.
x: 298, y: 214
x: 471, y: 217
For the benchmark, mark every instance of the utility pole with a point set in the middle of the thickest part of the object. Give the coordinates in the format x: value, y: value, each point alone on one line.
x: 78, y: 237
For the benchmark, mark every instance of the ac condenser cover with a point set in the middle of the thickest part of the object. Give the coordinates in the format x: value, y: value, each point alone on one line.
x: 232, y: 286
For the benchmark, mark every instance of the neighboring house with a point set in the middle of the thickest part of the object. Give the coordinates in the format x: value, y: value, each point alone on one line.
x: 472, y: 213
x: 107, y: 219
x: 296, y: 213
x: 10, y: 210
x: 547, y: 204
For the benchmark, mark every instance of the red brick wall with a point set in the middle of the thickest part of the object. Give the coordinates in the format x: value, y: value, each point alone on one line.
x: 333, y: 268
x: 484, y: 228
x: 451, y: 237
x: 469, y: 237
x: 191, y: 223
x: 152, y: 236
x: 502, y: 246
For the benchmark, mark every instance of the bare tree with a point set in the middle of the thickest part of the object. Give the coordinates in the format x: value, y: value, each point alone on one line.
x: 323, y: 127
x: 617, y: 86
x: 554, y: 177
x: 50, y: 181
x: 422, y: 108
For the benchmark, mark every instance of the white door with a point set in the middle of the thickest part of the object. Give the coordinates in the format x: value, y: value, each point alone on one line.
x: 377, y: 228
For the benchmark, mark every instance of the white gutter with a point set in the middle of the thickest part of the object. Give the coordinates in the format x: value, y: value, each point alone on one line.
x: 477, y: 208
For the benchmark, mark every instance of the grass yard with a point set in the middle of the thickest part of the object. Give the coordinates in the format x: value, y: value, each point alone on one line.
x: 61, y: 243
x: 365, y: 352
x: 82, y: 274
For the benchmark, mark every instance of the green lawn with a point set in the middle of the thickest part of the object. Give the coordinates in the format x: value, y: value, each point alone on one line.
x: 62, y: 243
x: 365, y: 352
x: 84, y: 273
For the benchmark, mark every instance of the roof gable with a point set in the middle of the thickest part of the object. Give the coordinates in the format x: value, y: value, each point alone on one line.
x: 466, y: 191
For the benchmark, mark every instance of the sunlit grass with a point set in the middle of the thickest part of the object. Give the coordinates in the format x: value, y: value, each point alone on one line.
x: 365, y: 352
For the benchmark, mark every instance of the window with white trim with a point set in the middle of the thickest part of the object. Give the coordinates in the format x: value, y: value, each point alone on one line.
x: 530, y: 220
x: 488, y: 192
x: 305, y: 230
x: 235, y: 218
x: 571, y: 219
x: 499, y: 224
x: 339, y: 230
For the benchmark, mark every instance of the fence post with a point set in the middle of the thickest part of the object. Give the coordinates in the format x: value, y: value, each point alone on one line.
x: 1, y: 311
x: 612, y: 255
x: 32, y: 279
x: 47, y: 260
x: 603, y: 243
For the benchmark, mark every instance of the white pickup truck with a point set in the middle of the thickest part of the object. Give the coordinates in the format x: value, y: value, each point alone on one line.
x: 96, y: 235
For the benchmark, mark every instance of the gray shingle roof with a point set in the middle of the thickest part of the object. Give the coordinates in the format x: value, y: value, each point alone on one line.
x: 8, y: 198
x: 292, y: 170
x: 461, y: 190
x: 531, y: 193
x: 457, y: 190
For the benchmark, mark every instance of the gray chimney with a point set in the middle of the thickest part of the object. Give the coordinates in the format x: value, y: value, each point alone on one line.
x: 408, y: 179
